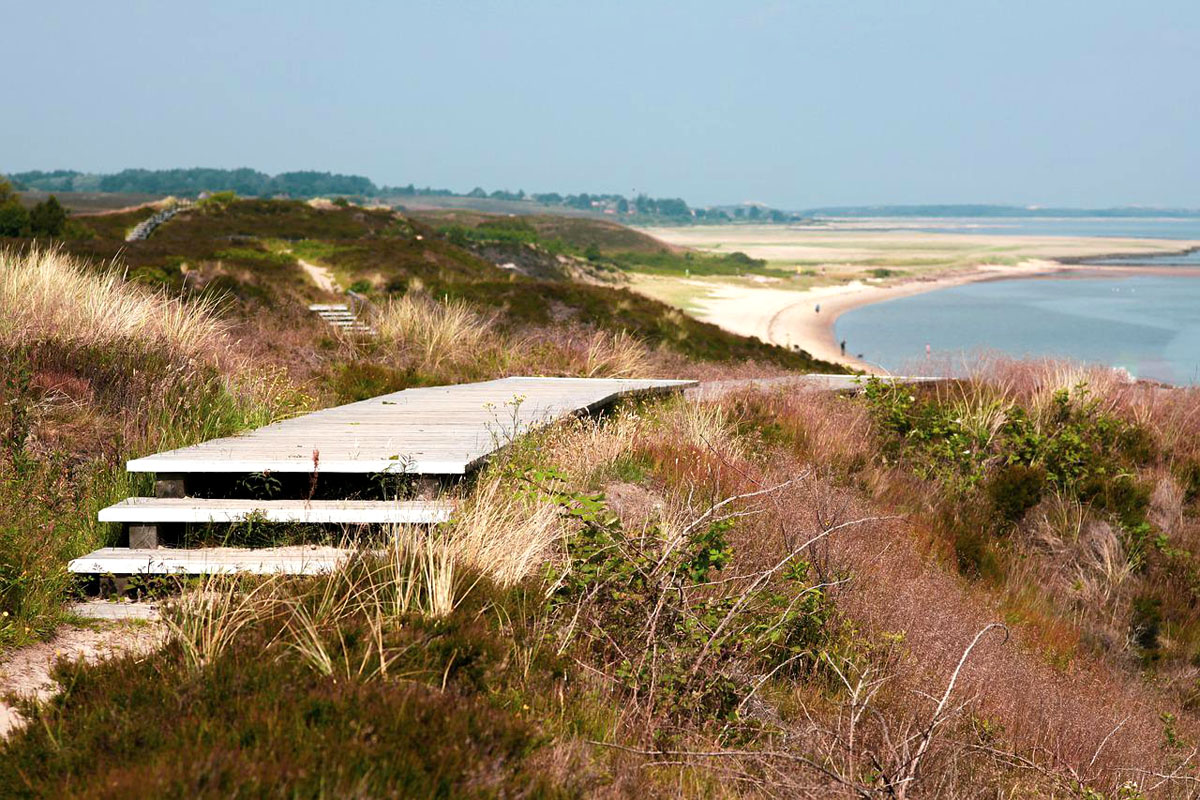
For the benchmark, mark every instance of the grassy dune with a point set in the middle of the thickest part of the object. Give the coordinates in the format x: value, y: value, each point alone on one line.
x: 950, y: 592
x: 980, y: 588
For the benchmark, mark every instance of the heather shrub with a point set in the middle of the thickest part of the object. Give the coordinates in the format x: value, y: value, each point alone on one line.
x: 1016, y: 488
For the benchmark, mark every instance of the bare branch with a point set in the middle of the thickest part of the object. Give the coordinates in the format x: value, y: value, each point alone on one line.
x: 909, y: 774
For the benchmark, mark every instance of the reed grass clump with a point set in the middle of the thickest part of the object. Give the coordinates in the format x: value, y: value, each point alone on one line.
x: 48, y: 296
x: 436, y: 333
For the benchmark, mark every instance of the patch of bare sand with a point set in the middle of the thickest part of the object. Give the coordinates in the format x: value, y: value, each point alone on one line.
x: 26, y: 671
x: 919, y: 251
x: 321, y: 276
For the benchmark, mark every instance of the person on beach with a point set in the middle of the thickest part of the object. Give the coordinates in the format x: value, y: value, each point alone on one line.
x: 843, y: 347
x: 818, y: 308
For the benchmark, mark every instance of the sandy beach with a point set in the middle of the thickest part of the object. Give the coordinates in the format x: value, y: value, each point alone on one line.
x: 770, y: 310
x: 791, y: 318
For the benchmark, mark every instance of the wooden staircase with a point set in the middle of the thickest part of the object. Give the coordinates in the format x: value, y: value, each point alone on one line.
x: 429, y: 438
x: 345, y: 317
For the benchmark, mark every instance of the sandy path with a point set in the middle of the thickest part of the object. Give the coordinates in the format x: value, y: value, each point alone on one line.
x: 321, y: 276
x: 26, y: 672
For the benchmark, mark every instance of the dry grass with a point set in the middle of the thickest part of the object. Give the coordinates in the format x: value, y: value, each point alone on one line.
x: 504, y: 535
x: 1053, y: 703
x: 616, y: 356
x: 435, y: 332
x: 48, y: 296
x: 451, y: 341
x: 206, y: 620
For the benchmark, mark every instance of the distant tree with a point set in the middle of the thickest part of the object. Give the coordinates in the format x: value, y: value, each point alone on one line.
x: 48, y: 218
x: 477, y: 192
x: 622, y: 206
x: 673, y: 207
x: 14, y: 219
x: 644, y: 204
x: 754, y: 212
x: 583, y: 200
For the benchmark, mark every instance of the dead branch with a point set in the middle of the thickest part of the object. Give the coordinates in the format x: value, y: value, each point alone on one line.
x: 908, y: 773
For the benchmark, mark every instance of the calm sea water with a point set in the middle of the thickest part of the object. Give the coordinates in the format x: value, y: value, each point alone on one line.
x: 1150, y: 325
x: 1130, y: 227
x: 1146, y: 324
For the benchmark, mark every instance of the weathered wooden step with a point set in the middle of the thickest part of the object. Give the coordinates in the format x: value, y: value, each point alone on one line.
x: 328, y: 307
x: 296, y: 560
x: 435, y: 430
x: 153, y: 510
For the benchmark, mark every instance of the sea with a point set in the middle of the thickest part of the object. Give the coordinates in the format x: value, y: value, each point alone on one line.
x: 1148, y: 325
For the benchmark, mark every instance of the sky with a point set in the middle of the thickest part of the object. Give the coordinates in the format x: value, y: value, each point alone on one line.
x: 1083, y: 103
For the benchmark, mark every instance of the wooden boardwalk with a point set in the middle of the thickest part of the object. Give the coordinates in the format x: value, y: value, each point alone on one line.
x: 431, y: 433
x: 440, y: 430
x: 198, y: 511
x: 292, y: 560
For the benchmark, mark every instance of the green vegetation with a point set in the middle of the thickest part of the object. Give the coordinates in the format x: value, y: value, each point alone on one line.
x: 14, y: 218
x: 304, y: 184
x: 48, y: 218
x: 999, y: 462
x: 193, y: 181
x: 769, y: 593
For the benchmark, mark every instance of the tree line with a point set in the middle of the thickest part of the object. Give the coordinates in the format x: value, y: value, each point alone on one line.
x: 244, y: 181
x: 47, y: 218
x: 309, y: 183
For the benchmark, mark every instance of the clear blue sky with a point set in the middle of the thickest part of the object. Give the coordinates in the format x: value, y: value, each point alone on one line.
x: 796, y: 104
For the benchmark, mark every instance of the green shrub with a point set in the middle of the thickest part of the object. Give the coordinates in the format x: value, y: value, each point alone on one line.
x: 617, y: 583
x: 14, y: 219
x: 1016, y: 488
x: 47, y: 218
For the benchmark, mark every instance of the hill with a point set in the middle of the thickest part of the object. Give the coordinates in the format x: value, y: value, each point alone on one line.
x: 982, y: 587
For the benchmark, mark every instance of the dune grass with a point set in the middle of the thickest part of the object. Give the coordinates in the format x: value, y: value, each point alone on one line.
x: 777, y: 593
x: 48, y: 296
x: 772, y: 576
x: 96, y: 368
x: 435, y: 332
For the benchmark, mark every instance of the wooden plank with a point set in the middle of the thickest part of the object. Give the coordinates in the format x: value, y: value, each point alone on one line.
x: 297, y: 560
x: 317, y: 512
x: 441, y: 430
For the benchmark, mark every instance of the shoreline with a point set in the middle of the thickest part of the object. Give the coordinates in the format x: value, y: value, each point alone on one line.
x: 789, y: 318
